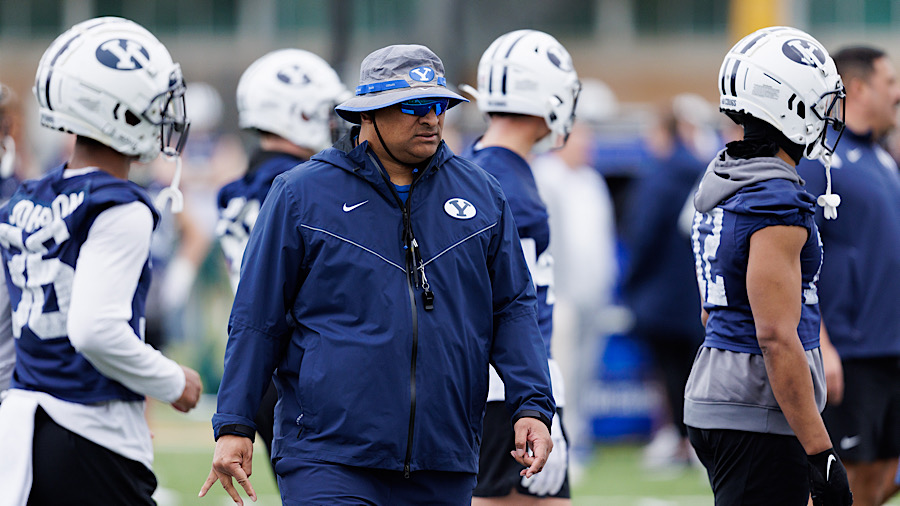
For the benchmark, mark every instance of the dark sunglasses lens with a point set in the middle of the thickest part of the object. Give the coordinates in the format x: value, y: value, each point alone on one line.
x: 421, y: 107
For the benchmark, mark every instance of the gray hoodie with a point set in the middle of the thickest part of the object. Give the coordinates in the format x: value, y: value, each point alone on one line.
x: 726, y: 175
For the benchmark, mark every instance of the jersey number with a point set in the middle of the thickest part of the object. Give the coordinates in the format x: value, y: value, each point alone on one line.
x: 32, y: 274
x: 706, y: 237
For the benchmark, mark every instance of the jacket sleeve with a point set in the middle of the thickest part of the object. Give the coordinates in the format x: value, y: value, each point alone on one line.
x: 518, y: 352
x: 258, y: 328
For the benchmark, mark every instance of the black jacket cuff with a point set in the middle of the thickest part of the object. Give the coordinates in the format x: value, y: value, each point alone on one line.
x: 236, y: 429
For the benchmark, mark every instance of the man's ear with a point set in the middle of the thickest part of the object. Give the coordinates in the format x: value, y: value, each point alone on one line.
x: 365, y: 117
x: 855, y: 85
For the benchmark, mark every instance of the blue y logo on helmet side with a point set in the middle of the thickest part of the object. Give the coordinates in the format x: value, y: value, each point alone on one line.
x: 804, y: 52
x: 422, y: 74
x: 294, y: 76
x: 123, y: 54
x: 559, y: 58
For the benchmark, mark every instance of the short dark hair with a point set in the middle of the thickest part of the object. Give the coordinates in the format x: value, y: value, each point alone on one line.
x: 857, y: 62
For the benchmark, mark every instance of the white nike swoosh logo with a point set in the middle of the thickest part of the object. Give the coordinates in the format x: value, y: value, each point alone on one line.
x: 831, y: 460
x: 849, y: 442
x: 347, y: 208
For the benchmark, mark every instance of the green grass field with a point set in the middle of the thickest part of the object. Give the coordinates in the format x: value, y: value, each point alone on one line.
x: 613, y: 477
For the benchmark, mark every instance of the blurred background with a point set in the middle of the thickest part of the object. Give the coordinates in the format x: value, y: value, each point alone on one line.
x: 649, y: 125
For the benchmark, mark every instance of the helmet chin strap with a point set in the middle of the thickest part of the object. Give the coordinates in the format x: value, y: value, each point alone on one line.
x: 828, y: 201
x: 8, y: 158
x: 171, y: 192
x: 381, y: 140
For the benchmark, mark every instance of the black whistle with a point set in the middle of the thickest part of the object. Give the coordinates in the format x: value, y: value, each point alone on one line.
x: 428, y: 300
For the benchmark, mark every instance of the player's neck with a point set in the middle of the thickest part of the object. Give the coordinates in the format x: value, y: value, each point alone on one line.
x: 515, y: 133
x: 92, y: 154
x: 786, y: 157
x: 273, y: 142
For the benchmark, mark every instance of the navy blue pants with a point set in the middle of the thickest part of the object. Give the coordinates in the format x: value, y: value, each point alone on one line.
x: 310, y: 482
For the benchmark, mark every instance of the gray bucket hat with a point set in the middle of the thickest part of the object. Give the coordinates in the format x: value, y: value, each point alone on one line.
x: 393, y: 74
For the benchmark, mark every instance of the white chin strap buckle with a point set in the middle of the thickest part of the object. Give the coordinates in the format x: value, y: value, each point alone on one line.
x: 829, y: 203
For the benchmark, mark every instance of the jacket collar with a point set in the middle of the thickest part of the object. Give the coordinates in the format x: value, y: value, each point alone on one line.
x: 360, y: 160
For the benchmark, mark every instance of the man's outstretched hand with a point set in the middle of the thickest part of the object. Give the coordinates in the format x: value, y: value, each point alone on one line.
x: 532, y: 434
x: 233, y: 459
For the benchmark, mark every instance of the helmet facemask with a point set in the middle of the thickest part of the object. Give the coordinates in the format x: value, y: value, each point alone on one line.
x: 829, y: 109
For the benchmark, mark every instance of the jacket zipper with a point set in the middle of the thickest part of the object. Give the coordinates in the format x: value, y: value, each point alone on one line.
x: 411, y: 285
x: 412, y: 280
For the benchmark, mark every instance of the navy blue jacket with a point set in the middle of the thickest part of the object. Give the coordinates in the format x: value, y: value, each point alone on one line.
x: 367, y: 376
x: 860, y: 282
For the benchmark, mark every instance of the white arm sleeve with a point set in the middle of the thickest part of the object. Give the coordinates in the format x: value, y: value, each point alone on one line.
x: 106, y: 277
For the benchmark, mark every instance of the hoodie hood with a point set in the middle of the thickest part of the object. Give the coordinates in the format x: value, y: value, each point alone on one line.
x: 726, y: 175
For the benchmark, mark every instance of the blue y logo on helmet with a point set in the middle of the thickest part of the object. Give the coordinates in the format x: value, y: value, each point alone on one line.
x: 422, y: 74
x: 804, y: 52
x: 558, y: 57
x: 123, y: 54
x: 293, y: 76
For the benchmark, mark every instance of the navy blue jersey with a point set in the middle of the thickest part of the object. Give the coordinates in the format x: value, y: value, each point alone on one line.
x: 532, y: 222
x: 721, y: 241
x: 239, y: 203
x: 42, y: 229
x: 860, y: 282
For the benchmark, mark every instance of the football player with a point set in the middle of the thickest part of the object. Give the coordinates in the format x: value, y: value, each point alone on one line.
x: 75, y: 257
x: 757, y: 385
x: 528, y: 88
x: 287, y: 97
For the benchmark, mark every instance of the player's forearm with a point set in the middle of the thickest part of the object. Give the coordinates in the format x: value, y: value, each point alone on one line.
x: 791, y: 381
x: 113, y: 349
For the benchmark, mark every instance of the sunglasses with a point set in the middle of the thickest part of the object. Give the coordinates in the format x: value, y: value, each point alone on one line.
x: 422, y: 106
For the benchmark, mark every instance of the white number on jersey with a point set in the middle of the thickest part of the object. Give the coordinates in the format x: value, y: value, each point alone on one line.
x: 31, y: 272
x: 540, y: 267
x: 236, y: 222
x: 712, y: 290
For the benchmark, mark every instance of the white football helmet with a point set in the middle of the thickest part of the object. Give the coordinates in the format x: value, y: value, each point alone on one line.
x: 291, y: 93
x: 786, y: 78
x: 111, y: 80
x: 529, y: 72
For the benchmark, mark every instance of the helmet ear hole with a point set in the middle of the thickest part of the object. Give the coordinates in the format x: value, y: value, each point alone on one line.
x: 131, y: 118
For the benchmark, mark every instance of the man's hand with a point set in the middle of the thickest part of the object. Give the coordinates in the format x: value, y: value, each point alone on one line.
x: 233, y: 459
x: 533, y: 435
x: 828, y: 484
x: 550, y: 481
x: 193, y: 387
